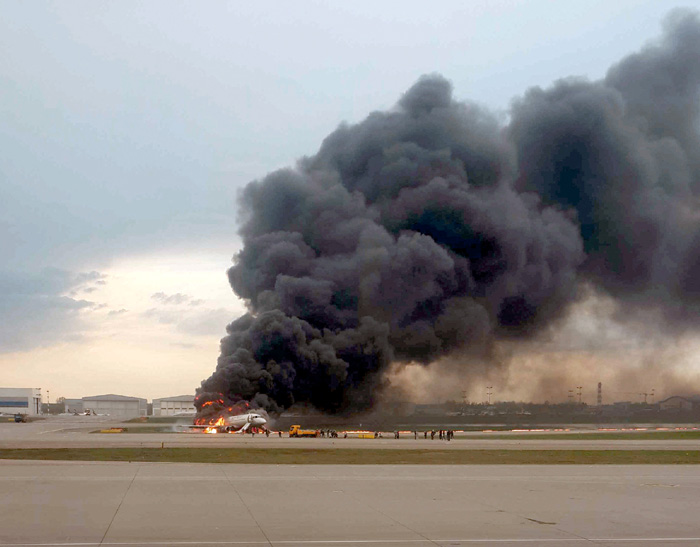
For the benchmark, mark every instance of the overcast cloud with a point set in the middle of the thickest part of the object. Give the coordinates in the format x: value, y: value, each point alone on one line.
x: 36, y: 311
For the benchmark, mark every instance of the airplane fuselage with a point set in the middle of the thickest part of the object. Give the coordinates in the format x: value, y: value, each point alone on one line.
x: 244, y: 421
x: 238, y: 422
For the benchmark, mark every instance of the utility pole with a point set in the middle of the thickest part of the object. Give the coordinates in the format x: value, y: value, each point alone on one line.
x: 646, y: 394
x: 464, y: 401
x: 571, y: 396
x: 600, y: 394
x: 580, y: 389
x: 489, y: 392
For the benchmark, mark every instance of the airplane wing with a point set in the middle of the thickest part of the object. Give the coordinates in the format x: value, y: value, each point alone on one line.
x: 195, y: 426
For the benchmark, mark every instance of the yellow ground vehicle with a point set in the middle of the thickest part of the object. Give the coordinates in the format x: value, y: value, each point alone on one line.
x: 297, y: 431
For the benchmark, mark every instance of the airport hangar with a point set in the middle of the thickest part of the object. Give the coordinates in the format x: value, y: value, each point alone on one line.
x: 29, y: 401
x: 20, y: 400
x: 132, y: 407
x: 173, y: 406
x: 119, y: 406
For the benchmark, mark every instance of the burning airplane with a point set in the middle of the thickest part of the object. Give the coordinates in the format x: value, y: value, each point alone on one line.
x: 215, y: 417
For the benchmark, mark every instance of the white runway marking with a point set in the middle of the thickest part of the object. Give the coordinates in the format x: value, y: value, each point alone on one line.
x: 50, y: 431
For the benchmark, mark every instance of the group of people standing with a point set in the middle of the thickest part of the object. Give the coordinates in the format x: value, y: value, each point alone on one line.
x: 442, y: 434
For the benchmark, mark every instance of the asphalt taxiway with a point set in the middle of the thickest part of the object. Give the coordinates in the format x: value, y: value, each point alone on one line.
x: 78, y: 432
x: 128, y: 504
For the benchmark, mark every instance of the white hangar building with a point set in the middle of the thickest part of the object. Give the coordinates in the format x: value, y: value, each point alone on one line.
x: 172, y: 406
x: 73, y: 405
x: 119, y: 406
x: 20, y: 400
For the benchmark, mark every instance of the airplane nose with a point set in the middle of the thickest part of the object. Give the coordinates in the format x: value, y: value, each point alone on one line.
x: 259, y: 421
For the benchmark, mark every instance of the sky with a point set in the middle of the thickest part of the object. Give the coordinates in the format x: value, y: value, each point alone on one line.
x: 127, y: 130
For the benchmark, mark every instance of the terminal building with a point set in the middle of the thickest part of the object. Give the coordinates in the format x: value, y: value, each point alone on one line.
x: 172, y: 406
x: 119, y: 406
x: 20, y: 400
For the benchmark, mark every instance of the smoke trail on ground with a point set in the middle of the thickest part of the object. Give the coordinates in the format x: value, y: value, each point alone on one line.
x: 432, y: 230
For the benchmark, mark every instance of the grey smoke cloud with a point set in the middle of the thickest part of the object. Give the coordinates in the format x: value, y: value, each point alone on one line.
x: 623, y: 154
x: 432, y: 230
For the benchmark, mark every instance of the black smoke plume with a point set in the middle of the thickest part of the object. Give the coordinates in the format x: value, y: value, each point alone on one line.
x: 433, y: 229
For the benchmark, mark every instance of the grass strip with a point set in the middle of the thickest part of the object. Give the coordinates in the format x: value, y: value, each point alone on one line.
x: 601, y: 436
x: 344, y: 456
x: 158, y: 420
x: 145, y: 429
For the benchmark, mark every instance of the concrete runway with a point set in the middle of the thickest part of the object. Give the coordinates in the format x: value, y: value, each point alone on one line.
x: 85, y: 504
x: 74, y: 432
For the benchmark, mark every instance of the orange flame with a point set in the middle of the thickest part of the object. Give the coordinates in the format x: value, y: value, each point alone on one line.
x: 214, y: 422
x: 209, y: 403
